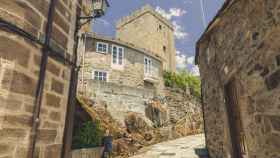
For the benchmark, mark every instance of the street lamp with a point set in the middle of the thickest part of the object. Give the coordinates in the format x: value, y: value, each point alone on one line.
x: 99, y: 9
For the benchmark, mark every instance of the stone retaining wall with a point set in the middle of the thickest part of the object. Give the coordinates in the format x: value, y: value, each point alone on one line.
x: 119, y: 99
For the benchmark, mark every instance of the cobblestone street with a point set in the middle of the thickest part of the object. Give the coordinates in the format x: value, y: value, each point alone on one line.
x: 187, y: 147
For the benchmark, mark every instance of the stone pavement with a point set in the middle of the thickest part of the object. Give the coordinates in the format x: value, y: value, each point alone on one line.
x: 186, y: 147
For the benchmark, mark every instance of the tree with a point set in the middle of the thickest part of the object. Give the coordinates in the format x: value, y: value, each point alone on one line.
x: 183, y: 79
x: 90, y: 135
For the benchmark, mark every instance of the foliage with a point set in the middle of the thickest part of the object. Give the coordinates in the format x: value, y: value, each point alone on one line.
x: 183, y: 80
x: 90, y: 135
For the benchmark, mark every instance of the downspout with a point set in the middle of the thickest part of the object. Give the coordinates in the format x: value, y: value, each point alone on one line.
x: 83, y: 68
x: 69, y: 121
x: 41, y: 80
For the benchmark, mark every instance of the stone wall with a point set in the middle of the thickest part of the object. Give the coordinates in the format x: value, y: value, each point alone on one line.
x: 130, y: 74
x: 176, y: 114
x: 182, y: 105
x: 150, y: 31
x: 241, y: 45
x: 120, y: 99
x: 20, y: 61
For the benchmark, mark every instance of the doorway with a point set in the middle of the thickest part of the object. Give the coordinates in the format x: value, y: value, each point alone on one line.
x: 237, y: 135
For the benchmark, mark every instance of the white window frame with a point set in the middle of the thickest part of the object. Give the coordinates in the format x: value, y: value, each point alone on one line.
x: 148, y: 69
x: 100, y: 71
x: 117, y: 65
x: 102, y: 43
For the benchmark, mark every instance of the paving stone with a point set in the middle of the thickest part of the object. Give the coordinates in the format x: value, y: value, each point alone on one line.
x: 186, y: 147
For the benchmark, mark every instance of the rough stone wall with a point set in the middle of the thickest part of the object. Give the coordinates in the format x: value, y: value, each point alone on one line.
x: 175, y: 115
x: 145, y: 25
x: 19, y: 71
x: 242, y: 44
x: 181, y: 105
x: 132, y: 73
x: 120, y: 99
x: 184, y: 113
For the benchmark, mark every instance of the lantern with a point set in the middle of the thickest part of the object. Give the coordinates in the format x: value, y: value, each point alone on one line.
x: 99, y: 7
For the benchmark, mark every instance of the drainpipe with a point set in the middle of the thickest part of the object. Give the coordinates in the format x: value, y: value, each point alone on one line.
x: 69, y: 121
x: 83, y: 67
x: 41, y: 81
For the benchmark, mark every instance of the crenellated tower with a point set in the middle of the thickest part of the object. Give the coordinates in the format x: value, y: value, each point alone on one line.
x: 147, y: 29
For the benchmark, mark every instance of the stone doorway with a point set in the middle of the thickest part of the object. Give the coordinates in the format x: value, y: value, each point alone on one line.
x: 238, y: 142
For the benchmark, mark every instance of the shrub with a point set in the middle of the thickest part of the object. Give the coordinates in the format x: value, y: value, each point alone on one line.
x: 183, y: 80
x: 89, y: 136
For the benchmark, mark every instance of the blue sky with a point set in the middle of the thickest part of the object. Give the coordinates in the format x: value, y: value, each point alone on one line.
x: 185, y: 15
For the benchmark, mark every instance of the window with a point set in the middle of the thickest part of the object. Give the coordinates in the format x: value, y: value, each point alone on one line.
x: 147, y: 66
x: 117, y: 55
x: 102, y: 47
x: 160, y: 27
x: 100, y: 76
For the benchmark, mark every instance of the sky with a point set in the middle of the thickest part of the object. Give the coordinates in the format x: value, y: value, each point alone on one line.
x: 185, y: 15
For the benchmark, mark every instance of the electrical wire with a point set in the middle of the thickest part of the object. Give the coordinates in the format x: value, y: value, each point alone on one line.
x: 203, y: 13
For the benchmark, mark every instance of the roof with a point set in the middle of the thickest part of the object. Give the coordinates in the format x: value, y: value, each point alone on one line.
x: 227, y: 4
x: 140, y: 12
x: 124, y: 44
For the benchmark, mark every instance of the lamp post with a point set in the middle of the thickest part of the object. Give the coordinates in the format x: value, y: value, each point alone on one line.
x: 203, y: 13
x: 99, y: 8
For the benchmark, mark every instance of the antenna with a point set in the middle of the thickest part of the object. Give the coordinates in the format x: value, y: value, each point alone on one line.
x: 203, y: 13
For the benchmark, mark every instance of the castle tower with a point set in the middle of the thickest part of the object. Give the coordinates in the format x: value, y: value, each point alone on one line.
x: 147, y: 29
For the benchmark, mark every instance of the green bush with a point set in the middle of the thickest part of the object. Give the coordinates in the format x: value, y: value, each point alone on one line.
x: 183, y: 80
x: 89, y: 136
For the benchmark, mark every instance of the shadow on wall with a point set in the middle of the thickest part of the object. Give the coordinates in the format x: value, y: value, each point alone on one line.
x: 201, y: 152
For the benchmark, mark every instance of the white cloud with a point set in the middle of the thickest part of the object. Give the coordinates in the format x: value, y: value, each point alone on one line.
x: 173, y: 12
x: 177, y: 12
x: 104, y: 22
x: 190, y: 60
x: 195, y: 70
x: 181, y: 62
x: 179, y: 32
x: 184, y: 62
x: 191, y: 64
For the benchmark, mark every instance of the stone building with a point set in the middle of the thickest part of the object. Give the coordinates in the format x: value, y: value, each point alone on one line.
x: 145, y: 28
x: 32, y: 31
x: 239, y: 62
x: 121, y: 74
